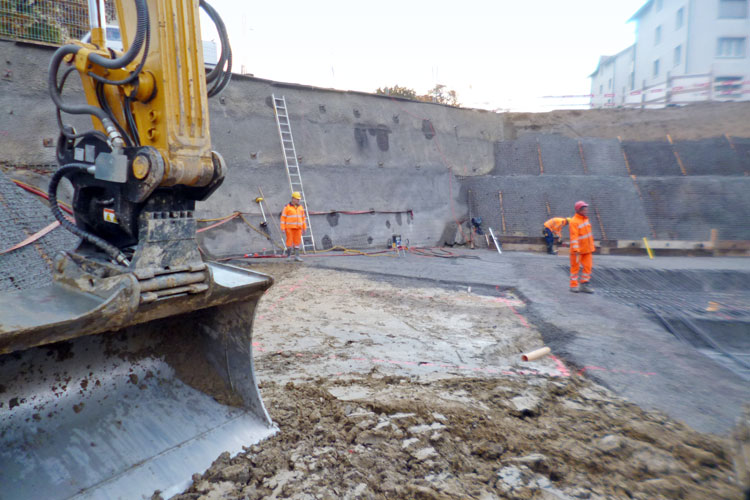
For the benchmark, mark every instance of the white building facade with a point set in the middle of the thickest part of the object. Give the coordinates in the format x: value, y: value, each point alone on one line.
x: 613, y: 79
x: 685, y: 51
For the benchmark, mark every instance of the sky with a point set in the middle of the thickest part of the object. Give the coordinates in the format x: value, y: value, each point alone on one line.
x: 496, y: 54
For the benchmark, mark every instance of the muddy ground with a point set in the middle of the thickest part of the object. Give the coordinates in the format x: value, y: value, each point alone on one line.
x: 404, y: 390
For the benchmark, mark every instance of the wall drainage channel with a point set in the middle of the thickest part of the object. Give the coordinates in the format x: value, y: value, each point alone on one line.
x: 709, y: 310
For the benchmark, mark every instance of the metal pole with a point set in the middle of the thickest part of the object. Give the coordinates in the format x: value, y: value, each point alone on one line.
x: 98, y: 22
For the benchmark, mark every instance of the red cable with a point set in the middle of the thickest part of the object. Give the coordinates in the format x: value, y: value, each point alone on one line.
x: 38, y: 192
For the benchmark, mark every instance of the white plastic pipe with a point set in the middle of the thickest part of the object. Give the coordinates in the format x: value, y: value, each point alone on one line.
x: 539, y: 353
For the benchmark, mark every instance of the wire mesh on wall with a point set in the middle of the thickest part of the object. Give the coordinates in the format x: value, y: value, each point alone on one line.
x: 47, y: 21
x: 21, y: 215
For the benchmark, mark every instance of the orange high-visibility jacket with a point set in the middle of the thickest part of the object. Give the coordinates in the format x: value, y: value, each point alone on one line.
x: 581, y: 235
x: 555, y: 225
x: 293, y: 218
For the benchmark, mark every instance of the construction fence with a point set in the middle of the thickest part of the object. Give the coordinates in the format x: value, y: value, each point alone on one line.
x: 675, y: 91
x: 50, y: 22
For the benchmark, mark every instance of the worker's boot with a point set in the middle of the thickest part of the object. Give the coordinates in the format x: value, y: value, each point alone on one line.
x: 296, y: 255
x: 289, y: 253
x: 586, y: 288
x: 574, y: 289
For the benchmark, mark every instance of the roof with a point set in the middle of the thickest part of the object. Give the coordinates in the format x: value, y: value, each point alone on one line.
x: 604, y: 60
x: 641, y: 11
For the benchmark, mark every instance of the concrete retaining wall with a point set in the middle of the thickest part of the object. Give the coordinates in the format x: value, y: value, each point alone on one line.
x: 397, y: 159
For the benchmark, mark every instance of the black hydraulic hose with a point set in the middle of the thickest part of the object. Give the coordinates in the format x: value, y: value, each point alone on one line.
x: 105, y: 106
x: 226, y: 50
x: 127, y: 58
x: 68, y: 135
x: 223, y: 82
x: 134, y: 74
x: 140, y: 35
x: 73, y: 168
x: 131, y: 121
x: 73, y: 109
x: 221, y: 74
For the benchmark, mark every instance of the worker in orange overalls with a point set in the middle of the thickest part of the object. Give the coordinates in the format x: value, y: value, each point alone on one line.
x: 553, y: 231
x: 294, y: 223
x: 581, y: 248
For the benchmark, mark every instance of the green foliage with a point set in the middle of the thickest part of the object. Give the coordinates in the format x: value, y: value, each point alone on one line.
x: 398, y: 91
x: 439, y: 94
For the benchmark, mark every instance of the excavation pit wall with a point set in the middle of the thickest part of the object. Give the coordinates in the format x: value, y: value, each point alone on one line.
x: 375, y: 166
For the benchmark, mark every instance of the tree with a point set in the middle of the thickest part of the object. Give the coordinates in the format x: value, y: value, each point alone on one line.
x: 398, y: 91
x: 441, y: 95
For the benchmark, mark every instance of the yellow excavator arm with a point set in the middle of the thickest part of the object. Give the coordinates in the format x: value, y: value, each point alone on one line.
x: 121, y: 415
x: 166, y: 92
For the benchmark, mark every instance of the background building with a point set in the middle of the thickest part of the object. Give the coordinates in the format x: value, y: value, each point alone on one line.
x: 685, y: 51
x: 613, y: 79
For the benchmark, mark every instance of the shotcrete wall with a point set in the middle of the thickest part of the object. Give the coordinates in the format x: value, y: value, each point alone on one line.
x: 357, y: 152
x: 677, y: 190
x: 374, y: 166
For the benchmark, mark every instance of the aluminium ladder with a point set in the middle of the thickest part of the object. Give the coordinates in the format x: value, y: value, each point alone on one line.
x: 292, y: 165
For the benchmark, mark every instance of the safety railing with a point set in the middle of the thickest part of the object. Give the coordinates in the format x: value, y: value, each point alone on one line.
x: 679, y: 90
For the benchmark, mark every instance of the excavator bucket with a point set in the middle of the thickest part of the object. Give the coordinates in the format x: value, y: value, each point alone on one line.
x: 132, y: 370
x: 128, y: 412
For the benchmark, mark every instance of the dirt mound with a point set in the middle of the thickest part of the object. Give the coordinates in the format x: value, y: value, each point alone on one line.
x: 395, y: 390
x: 389, y: 437
x: 697, y: 121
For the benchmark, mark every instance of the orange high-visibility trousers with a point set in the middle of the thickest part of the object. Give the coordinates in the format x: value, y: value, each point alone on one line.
x: 577, y: 260
x: 293, y: 237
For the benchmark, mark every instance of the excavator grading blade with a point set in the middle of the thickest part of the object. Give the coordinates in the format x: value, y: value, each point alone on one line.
x: 129, y: 412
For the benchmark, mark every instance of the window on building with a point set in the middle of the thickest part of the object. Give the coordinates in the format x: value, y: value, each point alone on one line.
x: 601, y: 90
x: 678, y: 55
x: 632, y: 80
x: 657, y: 35
x: 659, y: 5
x: 609, y: 85
x: 732, y: 9
x: 731, y: 47
x: 679, y: 18
x: 656, y: 68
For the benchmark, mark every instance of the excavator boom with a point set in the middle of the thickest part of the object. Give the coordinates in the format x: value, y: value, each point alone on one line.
x: 133, y: 370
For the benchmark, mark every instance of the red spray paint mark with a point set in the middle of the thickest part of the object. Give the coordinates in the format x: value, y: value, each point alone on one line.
x: 560, y: 366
